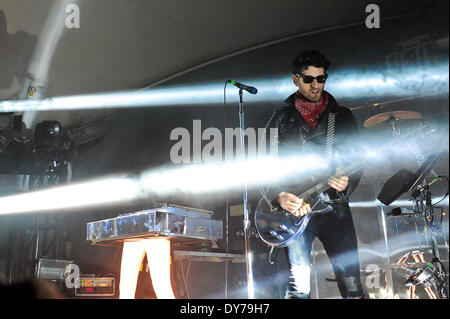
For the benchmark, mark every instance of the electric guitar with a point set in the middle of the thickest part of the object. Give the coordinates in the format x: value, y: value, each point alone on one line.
x: 279, y: 228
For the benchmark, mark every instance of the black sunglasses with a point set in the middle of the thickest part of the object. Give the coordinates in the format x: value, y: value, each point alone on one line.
x: 310, y: 79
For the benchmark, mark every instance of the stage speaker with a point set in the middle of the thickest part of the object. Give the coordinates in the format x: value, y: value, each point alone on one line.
x: 395, y: 186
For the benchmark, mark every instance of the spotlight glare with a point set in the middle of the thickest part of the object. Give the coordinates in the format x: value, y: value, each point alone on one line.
x: 376, y: 83
x: 217, y: 177
x: 103, y: 191
x: 200, y: 178
x: 193, y: 179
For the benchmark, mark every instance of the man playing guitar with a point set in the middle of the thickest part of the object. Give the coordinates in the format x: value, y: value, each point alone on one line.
x: 303, y: 123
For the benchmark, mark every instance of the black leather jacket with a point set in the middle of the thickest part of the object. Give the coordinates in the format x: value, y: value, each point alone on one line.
x: 295, y: 135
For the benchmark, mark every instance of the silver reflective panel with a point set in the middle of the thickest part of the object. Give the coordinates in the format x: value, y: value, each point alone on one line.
x: 171, y: 221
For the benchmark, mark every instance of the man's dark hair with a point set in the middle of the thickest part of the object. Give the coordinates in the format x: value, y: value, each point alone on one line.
x: 309, y: 58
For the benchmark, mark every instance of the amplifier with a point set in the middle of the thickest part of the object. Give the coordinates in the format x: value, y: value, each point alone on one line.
x: 96, y: 287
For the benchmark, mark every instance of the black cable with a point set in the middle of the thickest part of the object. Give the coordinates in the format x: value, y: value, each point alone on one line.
x: 446, y: 193
x: 272, y: 250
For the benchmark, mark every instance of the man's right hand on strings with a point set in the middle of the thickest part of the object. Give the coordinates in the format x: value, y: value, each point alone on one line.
x: 293, y: 204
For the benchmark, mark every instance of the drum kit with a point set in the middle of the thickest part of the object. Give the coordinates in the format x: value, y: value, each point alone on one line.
x: 431, y: 275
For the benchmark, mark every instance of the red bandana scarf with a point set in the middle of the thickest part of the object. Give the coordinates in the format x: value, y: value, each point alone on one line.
x: 311, y: 110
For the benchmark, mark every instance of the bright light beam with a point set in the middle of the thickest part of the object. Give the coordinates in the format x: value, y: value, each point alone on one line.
x: 219, y: 177
x: 108, y: 190
x: 397, y: 203
x: 193, y: 179
x: 375, y: 83
x: 185, y: 179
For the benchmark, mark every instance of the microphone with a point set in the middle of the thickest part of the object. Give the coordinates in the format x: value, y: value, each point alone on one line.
x: 249, y: 89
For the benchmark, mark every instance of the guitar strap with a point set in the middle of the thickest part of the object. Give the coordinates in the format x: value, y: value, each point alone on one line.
x: 330, y: 134
x: 329, y: 147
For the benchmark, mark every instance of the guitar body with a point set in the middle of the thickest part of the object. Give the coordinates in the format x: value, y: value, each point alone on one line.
x: 278, y: 227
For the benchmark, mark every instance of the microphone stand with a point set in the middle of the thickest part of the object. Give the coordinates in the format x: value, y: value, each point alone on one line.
x: 246, y: 222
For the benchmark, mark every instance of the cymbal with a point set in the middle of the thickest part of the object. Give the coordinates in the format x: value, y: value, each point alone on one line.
x: 386, y: 119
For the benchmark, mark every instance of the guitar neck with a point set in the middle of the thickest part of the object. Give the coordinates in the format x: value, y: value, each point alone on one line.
x: 421, y: 130
x: 323, y: 186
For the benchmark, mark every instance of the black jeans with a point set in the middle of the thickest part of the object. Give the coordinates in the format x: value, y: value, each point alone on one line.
x: 337, y: 233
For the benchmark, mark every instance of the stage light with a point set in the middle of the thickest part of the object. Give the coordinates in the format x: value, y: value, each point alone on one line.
x: 374, y: 83
x: 204, y: 178
x: 103, y: 191
x: 397, y: 203
x: 188, y: 179
x: 50, y: 134
x: 192, y: 179
x: 399, y: 82
x: 52, y: 128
